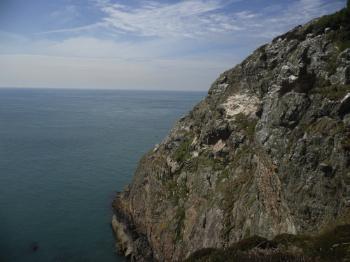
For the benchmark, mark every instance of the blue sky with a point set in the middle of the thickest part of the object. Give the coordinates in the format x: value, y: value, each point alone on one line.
x: 129, y: 44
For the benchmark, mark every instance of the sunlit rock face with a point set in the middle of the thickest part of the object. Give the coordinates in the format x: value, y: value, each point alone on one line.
x: 265, y: 153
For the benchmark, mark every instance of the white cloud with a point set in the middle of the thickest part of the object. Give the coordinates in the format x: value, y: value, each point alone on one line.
x: 299, y: 12
x: 79, y: 29
x: 190, y: 18
x: 187, y: 45
x: 201, y: 19
x: 183, y: 19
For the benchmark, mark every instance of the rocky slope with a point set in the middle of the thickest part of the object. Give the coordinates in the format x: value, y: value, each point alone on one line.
x: 265, y: 153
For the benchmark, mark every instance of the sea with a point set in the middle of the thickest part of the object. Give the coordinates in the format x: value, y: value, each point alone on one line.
x: 63, y: 156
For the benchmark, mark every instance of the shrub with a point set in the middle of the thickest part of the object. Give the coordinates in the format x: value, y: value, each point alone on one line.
x: 183, y: 151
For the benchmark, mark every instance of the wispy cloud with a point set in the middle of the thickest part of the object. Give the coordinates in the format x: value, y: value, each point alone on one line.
x: 278, y: 19
x: 154, y: 19
x: 201, y: 18
x: 186, y: 18
x: 185, y: 44
x: 197, y: 18
x: 79, y: 29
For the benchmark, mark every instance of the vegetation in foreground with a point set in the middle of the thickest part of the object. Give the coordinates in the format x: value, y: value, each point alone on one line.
x: 331, y: 245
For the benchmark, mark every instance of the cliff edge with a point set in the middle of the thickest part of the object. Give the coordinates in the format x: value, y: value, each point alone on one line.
x: 265, y: 154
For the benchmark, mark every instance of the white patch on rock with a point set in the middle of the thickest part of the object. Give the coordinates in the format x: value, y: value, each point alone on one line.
x: 345, y: 98
x: 218, y: 146
x: 123, y: 238
x: 195, y: 154
x: 285, y: 69
x: 290, y: 226
x: 174, y: 166
x: 194, y: 141
x: 292, y: 78
x: 223, y: 86
x: 241, y: 103
x: 156, y: 147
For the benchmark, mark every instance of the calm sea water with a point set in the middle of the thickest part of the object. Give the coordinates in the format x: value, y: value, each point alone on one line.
x: 63, y: 155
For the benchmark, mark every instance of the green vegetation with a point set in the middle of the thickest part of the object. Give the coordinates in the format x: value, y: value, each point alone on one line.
x: 206, y: 160
x: 332, y: 92
x: 247, y: 124
x: 177, y: 193
x: 339, y: 22
x: 331, y: 67
x: 233, y: 187
x: 345, y: 143
x: 183, y: 151
x: 326, y: 127
x: 179, y: 218
x: 247, y: 251
x: 332, y: 245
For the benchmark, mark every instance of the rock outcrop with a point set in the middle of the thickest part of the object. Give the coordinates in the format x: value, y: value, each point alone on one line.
x: 265, y: 153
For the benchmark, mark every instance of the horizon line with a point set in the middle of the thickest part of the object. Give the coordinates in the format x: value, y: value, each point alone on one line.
x: 102, y: 89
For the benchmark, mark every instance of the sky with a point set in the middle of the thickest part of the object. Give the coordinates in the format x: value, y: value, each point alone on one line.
x: 144, y: 44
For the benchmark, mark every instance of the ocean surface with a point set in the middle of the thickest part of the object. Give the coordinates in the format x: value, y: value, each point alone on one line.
x: 63, y: 156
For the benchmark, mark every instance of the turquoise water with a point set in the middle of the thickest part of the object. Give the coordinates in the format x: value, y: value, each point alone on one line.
x: 63, y: 155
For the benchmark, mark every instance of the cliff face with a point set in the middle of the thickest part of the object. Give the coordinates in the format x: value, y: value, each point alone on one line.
x: 265, y: 153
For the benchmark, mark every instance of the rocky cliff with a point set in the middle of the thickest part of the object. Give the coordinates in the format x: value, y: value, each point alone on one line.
x: 264, y: 154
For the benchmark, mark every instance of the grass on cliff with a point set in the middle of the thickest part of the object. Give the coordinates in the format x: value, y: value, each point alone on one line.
x: 329, y: 246
x: 339, y: 23
x: 247, y: 124
x: 183, y: 151
x: 332, y: 92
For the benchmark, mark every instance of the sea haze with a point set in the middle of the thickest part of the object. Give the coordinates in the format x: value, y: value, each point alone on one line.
x: 63, y: 156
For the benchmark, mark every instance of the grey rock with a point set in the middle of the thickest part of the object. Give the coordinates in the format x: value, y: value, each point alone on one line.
x: 278, y: 165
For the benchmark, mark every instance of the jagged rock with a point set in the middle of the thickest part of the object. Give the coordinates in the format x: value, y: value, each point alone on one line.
x: 265, y: 153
